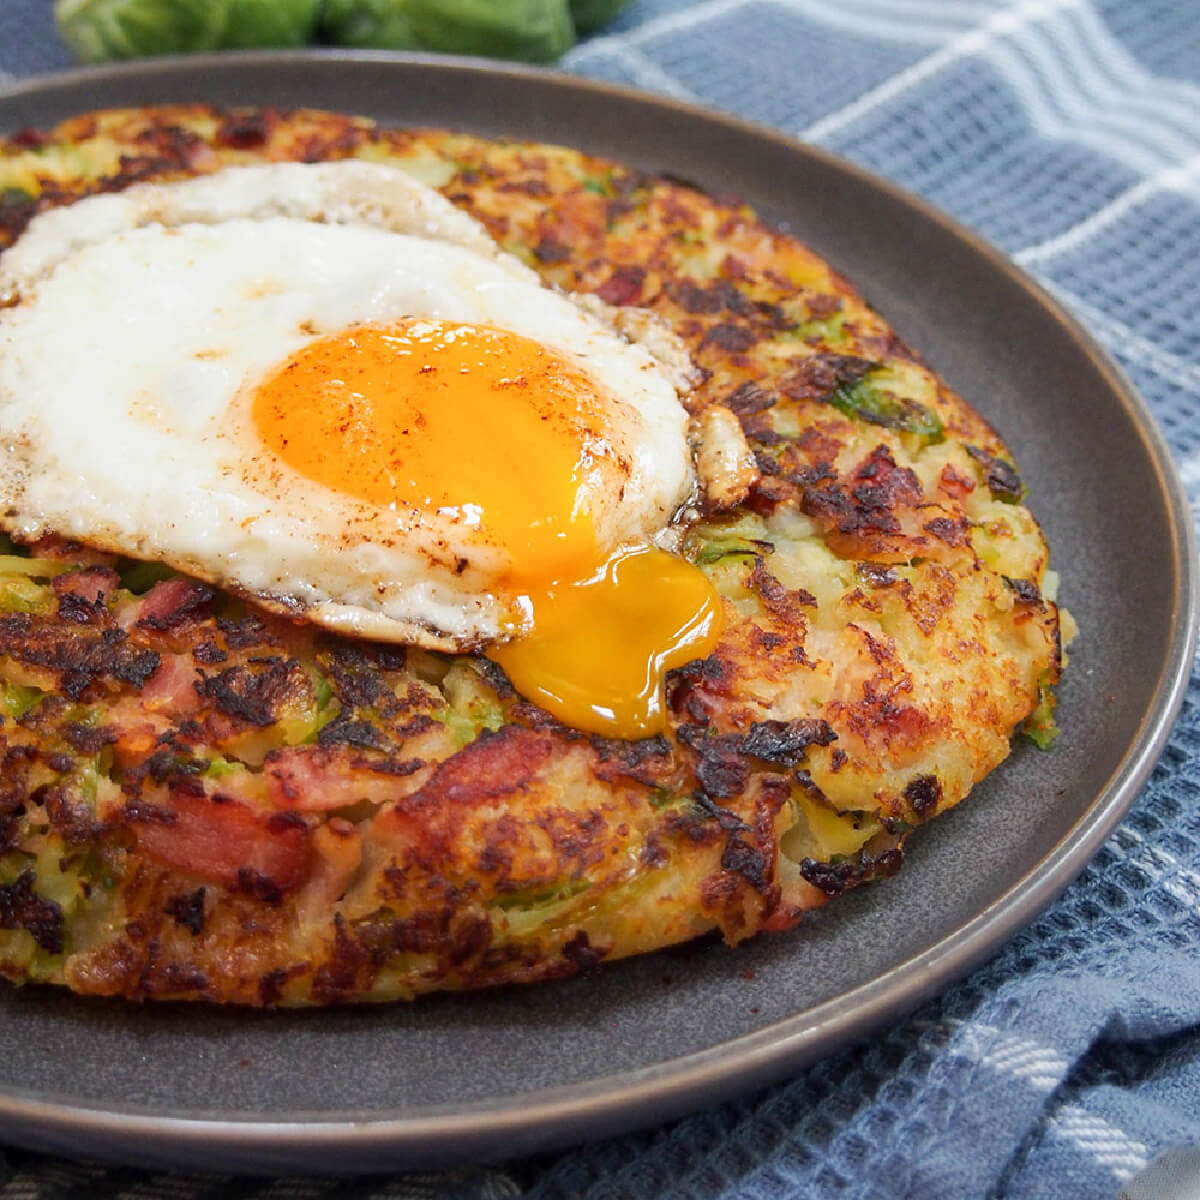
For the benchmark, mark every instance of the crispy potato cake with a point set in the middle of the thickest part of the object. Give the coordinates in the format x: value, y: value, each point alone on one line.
x: 200, y: 800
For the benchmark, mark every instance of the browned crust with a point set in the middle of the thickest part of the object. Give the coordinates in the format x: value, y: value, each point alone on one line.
x: 215, y: 802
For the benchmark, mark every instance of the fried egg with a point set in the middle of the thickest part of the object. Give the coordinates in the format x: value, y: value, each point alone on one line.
x: 324, y: 387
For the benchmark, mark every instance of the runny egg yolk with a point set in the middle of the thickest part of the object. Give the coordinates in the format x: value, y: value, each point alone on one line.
x: 600, y: 647
x: 500, y: 431
x: 478, y: 423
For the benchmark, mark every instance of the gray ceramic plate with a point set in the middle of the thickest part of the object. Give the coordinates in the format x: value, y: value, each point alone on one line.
x: 512, y: 1071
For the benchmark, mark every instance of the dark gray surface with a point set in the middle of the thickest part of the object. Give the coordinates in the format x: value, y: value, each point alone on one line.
x: 508, y: 1071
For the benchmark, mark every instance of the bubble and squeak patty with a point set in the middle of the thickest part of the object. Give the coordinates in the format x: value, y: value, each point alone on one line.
x: 439, y: 562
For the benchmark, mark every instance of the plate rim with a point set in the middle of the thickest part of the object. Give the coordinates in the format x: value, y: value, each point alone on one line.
x: 614, y: 1103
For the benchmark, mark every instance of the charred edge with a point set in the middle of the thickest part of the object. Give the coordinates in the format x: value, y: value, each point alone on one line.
x: 22, y: 908
x: 270, y: 988
x: 684, y: 685
x: 723, y: 768
x: 187, y: 909
x: 88, y: 739
x: 337, y: 978
x: 818, y: 376
x: 950, y: 530
x: 720, y: 296
x: 253, y: 696
x: 354, y: 675
x: 580, y: 951
x: 79, y: 610
x: 710, y: 810
x: 776, y: 598
x: 1001, y: 476
x: 77, y: 654
x: 924, y: 794
x: 786, y: 742
x: 879, y: 486
x: 748, y: 399
x: 260, y: 886
x: 71, y: 816
x: 1025, y: 590
x: 242, y: 632
x: 169, y: 765
x: 209, y: 654
x: 741, y: 858
x: 631, y: 755
x: 736, y: 339
x: 392, y: 765
x: 493, y: 675
x: 720, y: 770
x: 345, y: 730
x: 835, y: 878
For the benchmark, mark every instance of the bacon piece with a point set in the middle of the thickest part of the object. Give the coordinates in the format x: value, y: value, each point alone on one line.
x: 623, y: 286
x: 495, y: 765
x: 955, y: 484
x: 171, y: 689
x: 173, y: 602
x: 92, y: 584
x: 81, y: 594
x: 220, y: 840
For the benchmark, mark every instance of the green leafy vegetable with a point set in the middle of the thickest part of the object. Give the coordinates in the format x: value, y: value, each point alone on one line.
x: 16, y: 699
x: 18, y: 593
x: 1000, y: 475
x: 97, y: 30
x: 591, y: 14
x: 13, y: 199
x: 532, y: 30
x: 1039, y: 726
x: 269, y: 23
x: 376, y: 24
x: 713, y: 551
x: 219, y: 768
x: 867, y: 401
x: 102, y: 29
x: 139, y: 577
x: 37, y: 568
x: 533, y: 897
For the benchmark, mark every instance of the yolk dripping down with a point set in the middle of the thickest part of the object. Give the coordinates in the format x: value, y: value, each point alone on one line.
x: 600, y: 647
x: 496, y: 428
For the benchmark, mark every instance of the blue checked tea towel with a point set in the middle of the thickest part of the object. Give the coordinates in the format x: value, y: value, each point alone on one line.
x: 1067, y: 132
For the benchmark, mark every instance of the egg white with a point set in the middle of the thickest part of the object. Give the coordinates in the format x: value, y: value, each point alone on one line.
x: 136, y: 324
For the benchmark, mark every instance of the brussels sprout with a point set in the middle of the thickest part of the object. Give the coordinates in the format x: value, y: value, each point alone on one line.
x: 102, y: 29
x: 533, y: 30
x: 378, y: 24
x: 269, y: 23
x: 591, y: 14
x: 97, y: 30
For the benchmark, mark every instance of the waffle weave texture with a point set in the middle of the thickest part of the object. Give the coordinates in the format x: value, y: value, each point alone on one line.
x: 1068, y: 134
